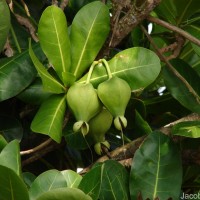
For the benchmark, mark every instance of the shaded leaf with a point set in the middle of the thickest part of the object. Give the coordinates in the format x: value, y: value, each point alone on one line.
x: 64, y: 194
x: 72, y: 178
x: 108, y: 180
x: 3, y: 142
x: 4, y: 23
x: 50, y: 84
x: 11, y: 186
x: 156, y: 165
x: 16, y: 73
x: 178, y: 89
x: 35, y: 93
x: 54, y: 40
x: 89, y: 30
x: 138, y: 66
x: 187, y: 129
x: 28, y: 178
x: 10, y: 157
x: 10, y: 128
x: 49, y: 118
x: 49, y: 180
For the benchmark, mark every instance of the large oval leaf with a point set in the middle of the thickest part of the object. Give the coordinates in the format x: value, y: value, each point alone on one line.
x: 54, y: 40
x: 49, y: 118
x: 64, y: 194
x: 10, y: 157
x: 89, y: 30
x: 11, y: 186
x: 50, y: 84
x: 186, y: 89
x: 156, y: 165
x: 4, y: 23
x: 108, y: 180
x: 17, y: 73
x: 46, y: 181
x: 138, y: 66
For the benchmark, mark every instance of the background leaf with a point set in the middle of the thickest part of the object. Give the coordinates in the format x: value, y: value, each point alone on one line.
x: 11, y: 186
x: 49, y: 118
x: 46, y: 181
x: 10, y: 157
x: 108, y: 180
x: 89, y: 30
x: 17, y: 73
x: 187, y: 129
x: 4, y: 23
x: 54, y: 40
x: 156, y: 165
x: 177, y: 87
x: 10, y: 128
x: 72, y: 178
x: 137, y: 65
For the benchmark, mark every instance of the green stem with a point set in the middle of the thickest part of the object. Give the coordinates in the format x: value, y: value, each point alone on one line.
x: 90, y: 71
x: 15, y: 39
x: 107, y: 68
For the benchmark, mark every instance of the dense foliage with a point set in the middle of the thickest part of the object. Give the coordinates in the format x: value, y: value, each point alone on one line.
x: 107, y: 86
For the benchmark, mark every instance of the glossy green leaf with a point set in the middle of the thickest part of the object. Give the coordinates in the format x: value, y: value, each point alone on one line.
x: 108, y: 180
x: 3, y: 142
x: 177, y: 11
x: 11, y: 186
x: 4, y: 23
x: 54, y: 40
x: 64, y: 194
x: 34, y: 94
x: 16, y: 73
x: 138, y: 66
x: 10, y: 157
x: 50, y: 84
x: 49, y: 180
x: 187, y: 129
x: 72, y: 178
x: 28, y: 178
x: 156, y: 165
x: 49, y: 118
x: 183, y: 91
x: 10, y: 128
x: 89, y: 30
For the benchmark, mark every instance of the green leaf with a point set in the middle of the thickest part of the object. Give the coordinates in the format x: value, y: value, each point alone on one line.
x: 49, y: 118
x: 64, y: 194
x: 4, y: 23
x: 16, y: 73
x: 28, y: 178
x: 72, y: 178
x: 49, y: 180
x: 11, y: 186
x: 138, y: 66
x: 187, y: 129
x: 3, y: 142
x: 156, y: 165
x: 10, y: 128
x: 89, y: 30
x: 108, y: 180
x: 10, y: 157
x: 34, y: 94
x: 183, y: 91
x: 54, y: 40
x: 50, y: 84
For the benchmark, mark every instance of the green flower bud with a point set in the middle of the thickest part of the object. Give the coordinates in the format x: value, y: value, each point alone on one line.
x: 84, y: 103
x: 115, y: 94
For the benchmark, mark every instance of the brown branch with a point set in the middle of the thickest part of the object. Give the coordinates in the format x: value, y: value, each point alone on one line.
x: 64, y: 4
x: 131, y: 19
x: 175, y: 29
x: 37, y: 148
x: 170, y: 67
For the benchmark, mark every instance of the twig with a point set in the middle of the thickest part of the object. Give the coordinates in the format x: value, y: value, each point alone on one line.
x: 64, y: 4
x: 175, y: 29
x: 170, y: 67
x: 37, y: 148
